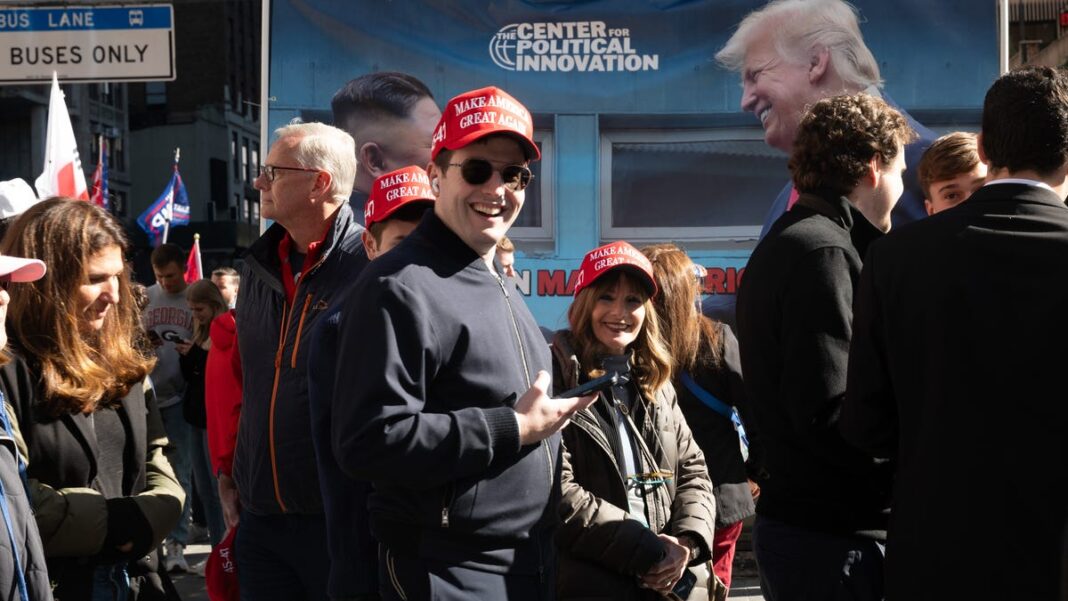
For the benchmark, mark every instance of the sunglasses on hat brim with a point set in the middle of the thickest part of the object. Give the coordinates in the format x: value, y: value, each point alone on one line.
x: 479, y: 171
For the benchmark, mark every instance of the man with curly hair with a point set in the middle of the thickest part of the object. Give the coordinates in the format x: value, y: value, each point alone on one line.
x: 821, y: 519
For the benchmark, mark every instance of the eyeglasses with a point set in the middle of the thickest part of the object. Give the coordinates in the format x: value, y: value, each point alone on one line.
x: 479, y: 171
x: 271, y: 171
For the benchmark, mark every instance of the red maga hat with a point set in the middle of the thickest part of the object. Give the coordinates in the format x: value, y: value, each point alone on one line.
x: 615, y: 255
x: 394, y: 190
x: 479, y: 113
x: 220, y: 572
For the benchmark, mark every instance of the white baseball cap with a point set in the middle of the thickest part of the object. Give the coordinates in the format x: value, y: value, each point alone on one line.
x: 17, y: 269
x: 15, y: 197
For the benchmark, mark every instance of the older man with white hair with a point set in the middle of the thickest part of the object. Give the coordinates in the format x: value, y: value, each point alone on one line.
x: 791, y: 53
x: 290, y: 279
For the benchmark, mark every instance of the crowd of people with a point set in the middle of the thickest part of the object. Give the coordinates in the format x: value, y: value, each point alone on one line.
x: 370, y: 411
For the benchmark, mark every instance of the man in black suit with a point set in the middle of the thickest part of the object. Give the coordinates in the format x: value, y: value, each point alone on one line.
x: 956, y: 369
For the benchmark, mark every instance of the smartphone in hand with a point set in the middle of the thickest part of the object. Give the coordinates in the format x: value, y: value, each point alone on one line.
x: 595, y: 385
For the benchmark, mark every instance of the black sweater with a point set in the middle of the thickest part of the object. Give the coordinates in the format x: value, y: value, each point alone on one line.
x: 434, y: 350
x: 794, y: 327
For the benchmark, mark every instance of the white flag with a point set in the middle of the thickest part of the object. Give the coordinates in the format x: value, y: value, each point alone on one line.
x: 62, y: 175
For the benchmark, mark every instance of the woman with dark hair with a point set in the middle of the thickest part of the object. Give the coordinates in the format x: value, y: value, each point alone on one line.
x: 708, y: 378
x: 103, y: 493
x: 637, y: 510
x: 206, y: 303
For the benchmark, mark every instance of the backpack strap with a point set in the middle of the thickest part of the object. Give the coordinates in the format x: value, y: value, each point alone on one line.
x: 5, y: 508
x: 719, y: 407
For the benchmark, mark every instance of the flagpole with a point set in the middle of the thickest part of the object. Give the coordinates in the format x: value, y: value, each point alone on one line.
x: 170, y: 201
x: 196, y: 247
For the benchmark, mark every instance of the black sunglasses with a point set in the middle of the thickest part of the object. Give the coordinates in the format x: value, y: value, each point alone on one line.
x: 478, y: 171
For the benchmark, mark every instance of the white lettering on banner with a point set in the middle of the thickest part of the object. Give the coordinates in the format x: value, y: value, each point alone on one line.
x: 583, y: 46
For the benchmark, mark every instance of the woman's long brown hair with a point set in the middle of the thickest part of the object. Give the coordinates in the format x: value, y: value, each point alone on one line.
x: 80, y: 370
x: 651, y: 361
x: 691, y: 337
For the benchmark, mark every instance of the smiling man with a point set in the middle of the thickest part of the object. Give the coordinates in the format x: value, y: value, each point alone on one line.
x: 441, y: 399
x: 791, y: 53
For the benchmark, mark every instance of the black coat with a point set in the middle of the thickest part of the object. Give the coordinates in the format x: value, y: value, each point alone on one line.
x: 715, y: 433
x: 794, y: 326
x: 957, y: 371
x: 434, y: 350
x: 193, y: 365
x: 274, y: 458
x: 78, y: 526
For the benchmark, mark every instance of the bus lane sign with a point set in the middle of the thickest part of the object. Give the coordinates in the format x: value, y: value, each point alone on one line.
x: 87, y: 43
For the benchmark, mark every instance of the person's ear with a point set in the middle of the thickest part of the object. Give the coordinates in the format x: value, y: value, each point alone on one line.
x: 373, y: 158
x: 928, y: 207
x: 979, y: 145
x: 323, y: 180
x: 435, y: 177
x: 875, y: 171
x: 369, y: 245
x: 819, y: 63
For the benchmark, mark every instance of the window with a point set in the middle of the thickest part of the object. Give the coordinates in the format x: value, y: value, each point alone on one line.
x: 155, y: 93
x: 118, y: 154
x: 254, y: 163
x: 252, y: 210
x: 535, y: 221
x: 244, y: 160
x: 687, y: 185
x: 233, y: 156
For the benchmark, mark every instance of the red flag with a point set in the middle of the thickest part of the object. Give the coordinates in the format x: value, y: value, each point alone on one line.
x: 62, y: 175
x: 193, y: 269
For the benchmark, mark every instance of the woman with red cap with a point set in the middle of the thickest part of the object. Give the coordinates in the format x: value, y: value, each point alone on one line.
x: 637, y: 511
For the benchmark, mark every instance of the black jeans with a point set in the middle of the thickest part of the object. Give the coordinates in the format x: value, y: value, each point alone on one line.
x: 282, y: 557
x: 410, y: 579
x: 804, y: 565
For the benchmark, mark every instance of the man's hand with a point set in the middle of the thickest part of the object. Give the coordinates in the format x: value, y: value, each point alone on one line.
x: 663, y: 575
x: 231, y: 506
x: 541, y: 416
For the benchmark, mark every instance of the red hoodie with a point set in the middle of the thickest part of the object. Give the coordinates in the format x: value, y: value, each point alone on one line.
x: 222, y: 392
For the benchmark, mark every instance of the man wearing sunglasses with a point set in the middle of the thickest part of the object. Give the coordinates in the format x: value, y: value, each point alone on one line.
x: 442, y: 401
x: 292, y: 276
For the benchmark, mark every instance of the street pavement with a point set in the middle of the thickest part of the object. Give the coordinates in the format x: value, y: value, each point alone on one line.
x: 191, y: 586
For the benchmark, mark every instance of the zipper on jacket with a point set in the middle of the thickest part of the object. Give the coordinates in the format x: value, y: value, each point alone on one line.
x: 394, y: 580
x: 274, y: 398
x: 279, y: 359
x: 446, y: 502
x: 526, y: 370
x: 300, y: 329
